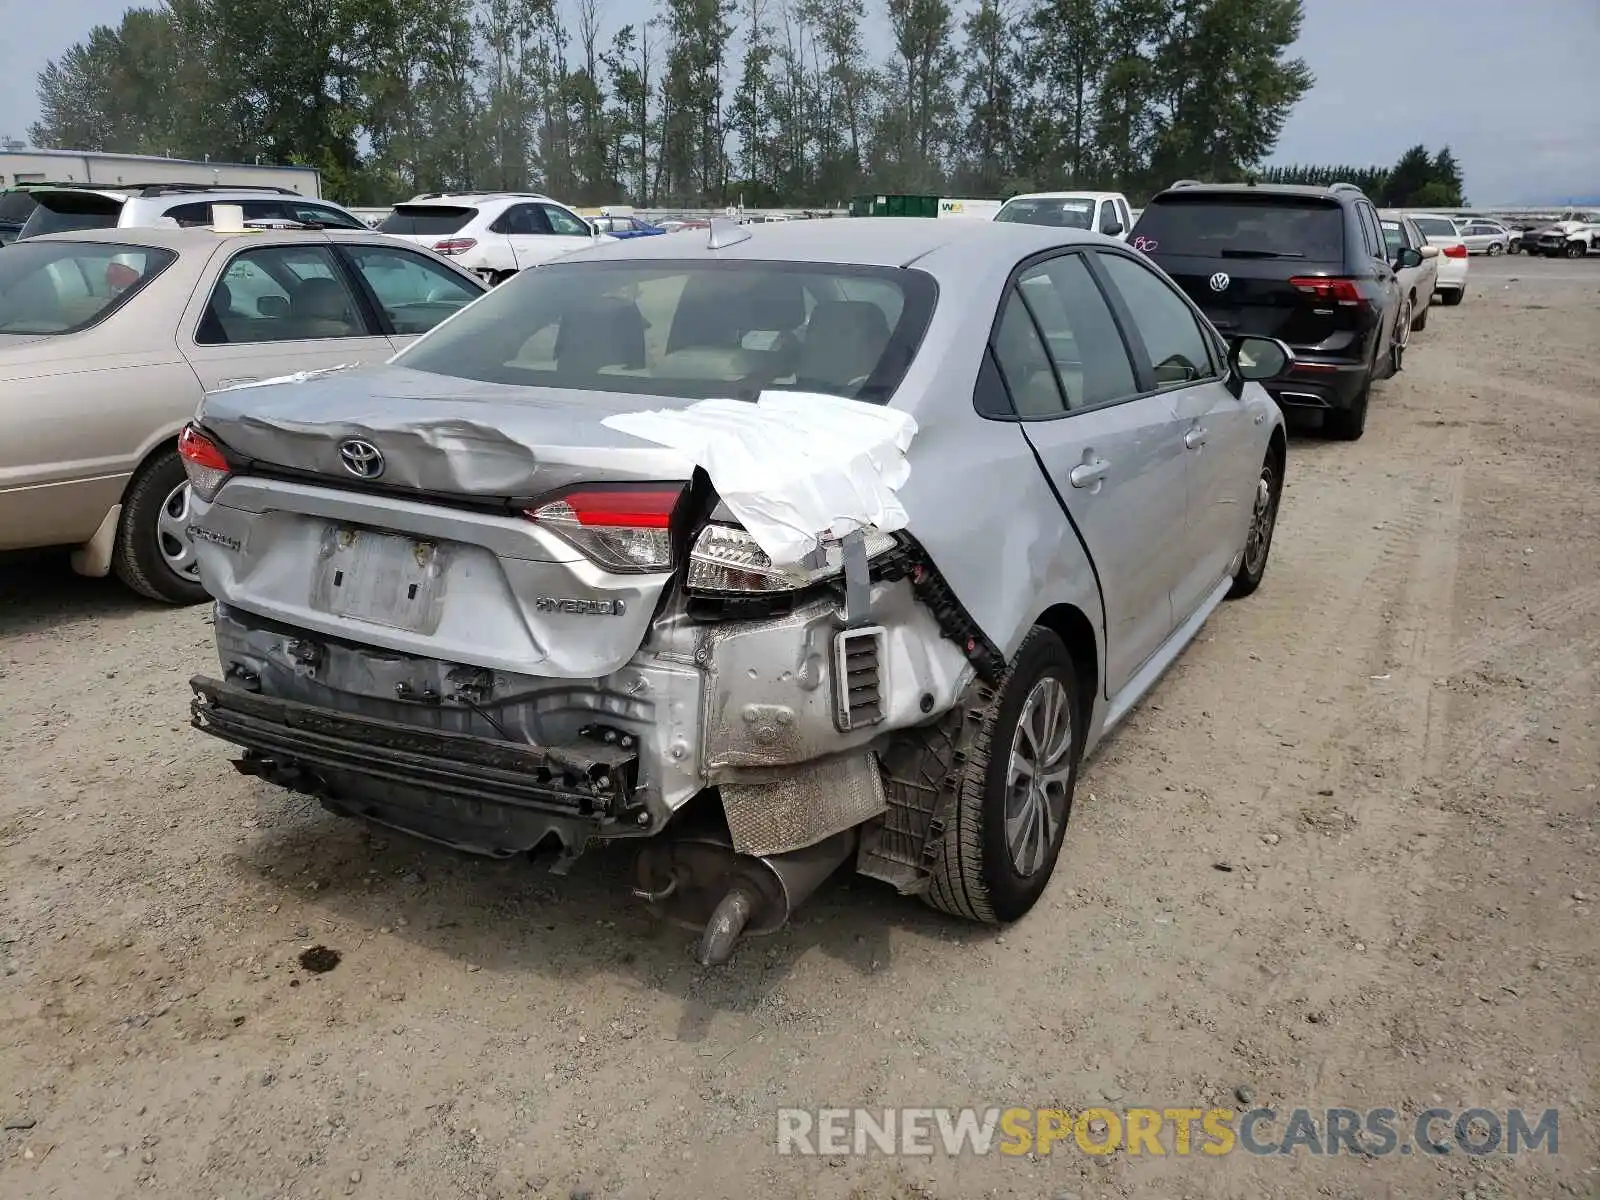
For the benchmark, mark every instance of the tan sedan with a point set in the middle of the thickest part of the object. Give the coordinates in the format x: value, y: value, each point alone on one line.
x: 109, y: 338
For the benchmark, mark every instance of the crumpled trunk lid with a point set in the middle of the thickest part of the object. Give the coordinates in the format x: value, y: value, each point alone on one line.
x: 436, y: 434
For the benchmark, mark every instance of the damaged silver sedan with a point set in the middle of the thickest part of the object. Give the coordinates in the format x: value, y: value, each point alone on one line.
x: 769, y: 551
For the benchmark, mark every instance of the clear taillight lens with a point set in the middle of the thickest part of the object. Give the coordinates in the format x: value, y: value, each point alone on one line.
x: 625, y: 529
x: 727, y: 559
x: 203, y: 462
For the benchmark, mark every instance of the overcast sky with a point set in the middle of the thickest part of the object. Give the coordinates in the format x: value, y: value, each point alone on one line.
x: 1511, y: 86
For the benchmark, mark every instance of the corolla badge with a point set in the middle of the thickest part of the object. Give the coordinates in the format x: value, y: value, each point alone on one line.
x: 1220, y: 281
x: 361, y: 459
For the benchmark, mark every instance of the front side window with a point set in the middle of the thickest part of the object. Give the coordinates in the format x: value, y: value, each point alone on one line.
x: 564, y: 223
x: 1066, y: 213
x: 1176, y: 349
x: 65, y: 287
x: 690, y: 329
x: 281, y: 294
x: 320, y: 214
x: 1081, y: 336
x: 414, y: 294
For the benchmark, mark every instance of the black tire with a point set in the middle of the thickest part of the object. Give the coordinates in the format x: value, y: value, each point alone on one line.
x: 1452, y: 297
x: 1576, y: 250
x: 136, y: 557
x: 1494, y: 250
x: 1348, y: 424
x: 1420, y: 321
x: 1263, y: 523
x: 975, y: 876
x: 1401, y: 337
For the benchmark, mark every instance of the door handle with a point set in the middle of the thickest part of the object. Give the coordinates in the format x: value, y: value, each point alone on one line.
x: 1088, y: 474
x: 1195, y: 438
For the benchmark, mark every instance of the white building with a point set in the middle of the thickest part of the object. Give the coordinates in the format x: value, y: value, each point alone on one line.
x: 91, y: 166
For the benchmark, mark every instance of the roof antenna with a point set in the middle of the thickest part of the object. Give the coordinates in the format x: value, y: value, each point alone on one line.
x: 723, y: 233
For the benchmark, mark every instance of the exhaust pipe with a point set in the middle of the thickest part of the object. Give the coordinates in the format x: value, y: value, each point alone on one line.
x: 699, y: 881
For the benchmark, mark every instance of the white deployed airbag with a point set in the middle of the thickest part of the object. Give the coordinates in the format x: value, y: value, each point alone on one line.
x: 794, y: 467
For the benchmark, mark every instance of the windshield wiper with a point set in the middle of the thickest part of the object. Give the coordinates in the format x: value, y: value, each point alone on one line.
x: 1231, y: 252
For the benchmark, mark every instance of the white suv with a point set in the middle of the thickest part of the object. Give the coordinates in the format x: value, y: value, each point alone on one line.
x: 495, y: 234
x: 64, y: 208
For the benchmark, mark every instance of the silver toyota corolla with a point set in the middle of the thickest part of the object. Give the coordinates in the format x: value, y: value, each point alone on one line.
x: 460, y: 594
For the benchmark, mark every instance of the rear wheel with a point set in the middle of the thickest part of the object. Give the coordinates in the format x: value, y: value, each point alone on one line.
x: 1452, y: 297
x: 1419, y: 321
x: 152, y: 553
x: 1401, y: 337
x: 1014, y: 794
x: 1494, y: 249
x: 1576, y: 249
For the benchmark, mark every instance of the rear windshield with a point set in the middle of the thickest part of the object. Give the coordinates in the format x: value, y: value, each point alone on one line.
x: 63, y: 287
x: 692, y: 330
x: 426, y: 220
x: 15, y: 207
x: 64, y: 212
x: 1063, y: 214
x: 1431, y: 226
x: 1242, y: 227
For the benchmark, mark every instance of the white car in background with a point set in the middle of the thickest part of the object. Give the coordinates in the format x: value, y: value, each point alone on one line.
x: 65, y: 208
x: 493, y: 234
x: 1420, y: 282
x: 1442, y: 232
x: 1103, y: 212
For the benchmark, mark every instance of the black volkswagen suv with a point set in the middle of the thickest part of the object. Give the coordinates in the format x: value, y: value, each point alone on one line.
x: 1307, y: 265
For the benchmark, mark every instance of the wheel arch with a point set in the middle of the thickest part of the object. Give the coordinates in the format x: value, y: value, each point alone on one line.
x: 1069, y: 623
x: 166, y: 440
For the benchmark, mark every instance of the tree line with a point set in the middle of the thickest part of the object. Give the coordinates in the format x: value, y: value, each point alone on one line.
x: 1418, y: 180
x: 768, y: 102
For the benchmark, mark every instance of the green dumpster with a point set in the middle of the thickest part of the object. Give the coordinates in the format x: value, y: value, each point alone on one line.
x: 894, y: 206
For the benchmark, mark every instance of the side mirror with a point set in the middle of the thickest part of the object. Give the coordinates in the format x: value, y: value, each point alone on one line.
x: 1252, y: 357
x: 1430, y: 251
x: 1406, y: 258
x: 1111, y: 228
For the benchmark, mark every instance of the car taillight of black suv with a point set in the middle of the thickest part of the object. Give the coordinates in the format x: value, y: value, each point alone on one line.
x: 1307, y: 265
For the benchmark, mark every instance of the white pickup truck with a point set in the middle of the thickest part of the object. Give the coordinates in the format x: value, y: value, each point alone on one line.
x: 1105, y: 212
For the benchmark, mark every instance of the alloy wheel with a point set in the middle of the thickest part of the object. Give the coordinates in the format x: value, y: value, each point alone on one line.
x: 1262, y: 516
x: 1039, y: 774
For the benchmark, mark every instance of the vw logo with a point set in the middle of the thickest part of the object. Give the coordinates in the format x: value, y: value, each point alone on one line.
x: 361, y: 459
x: 1220, y: 281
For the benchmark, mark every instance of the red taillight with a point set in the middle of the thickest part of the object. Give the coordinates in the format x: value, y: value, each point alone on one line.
x: 455, y: 245
x: 1340, y: 291
x: 1459, y: 250
x: 203, y: 462
x: 622, y: 528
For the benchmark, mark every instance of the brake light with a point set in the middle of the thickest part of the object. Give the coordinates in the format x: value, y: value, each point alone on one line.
x: 203, y: 462
x: 623, y: 528
x: 455, y: 245
x: 1340, y: 291
x: 1459, y: 250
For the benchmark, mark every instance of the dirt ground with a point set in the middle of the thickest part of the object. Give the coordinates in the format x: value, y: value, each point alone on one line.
x: 1393, y: 750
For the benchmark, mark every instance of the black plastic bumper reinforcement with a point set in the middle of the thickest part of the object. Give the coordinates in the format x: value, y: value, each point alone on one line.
x: 573, y: 781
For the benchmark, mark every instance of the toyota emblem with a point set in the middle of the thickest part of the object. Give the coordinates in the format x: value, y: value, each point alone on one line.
x: 1220, y: 281
x: 361, y: 459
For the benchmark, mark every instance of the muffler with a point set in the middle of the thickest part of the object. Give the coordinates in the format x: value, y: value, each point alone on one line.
x: 700, y: 882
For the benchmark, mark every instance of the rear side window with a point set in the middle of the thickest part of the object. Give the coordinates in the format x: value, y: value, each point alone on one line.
x: 427, y: 220
x: 690, y: 329
x: 1243, y: 227
x: 63, y: 212
x: 65, y: 287
x: 281, y: 294
x: 15, y: 207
